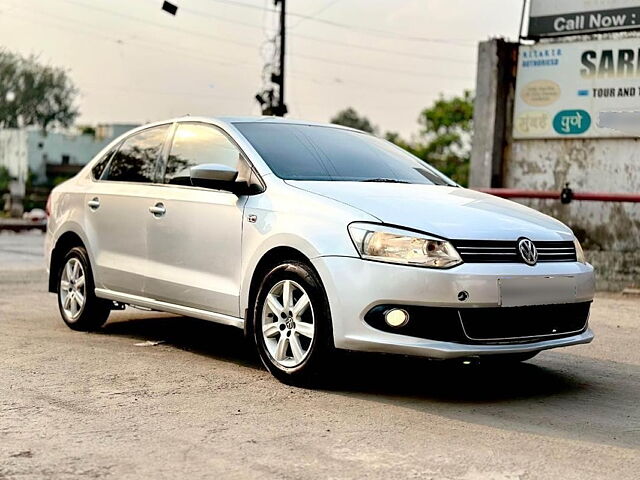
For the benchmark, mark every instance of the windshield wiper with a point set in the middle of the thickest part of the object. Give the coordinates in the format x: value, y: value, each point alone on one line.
x: 384, y: 180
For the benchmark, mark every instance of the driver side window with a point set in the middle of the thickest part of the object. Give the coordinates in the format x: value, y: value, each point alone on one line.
x: 197, y: 143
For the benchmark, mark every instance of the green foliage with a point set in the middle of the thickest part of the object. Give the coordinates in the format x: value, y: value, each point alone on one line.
x: 87, y: 130
x: 34, y: 94
x: 5, y: 178
x: 60, y: 179
x: 444, y: 140
x: 350, y: 118
x: 448, y: 116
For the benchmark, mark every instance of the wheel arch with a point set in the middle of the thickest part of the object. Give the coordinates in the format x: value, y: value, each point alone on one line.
x: 65, y: 242
x: 269, y: 259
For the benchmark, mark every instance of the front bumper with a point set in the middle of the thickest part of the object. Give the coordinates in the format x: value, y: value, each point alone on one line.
x: 354, y: 286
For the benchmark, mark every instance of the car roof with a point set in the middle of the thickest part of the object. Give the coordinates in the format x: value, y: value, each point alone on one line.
x: 230, y: 120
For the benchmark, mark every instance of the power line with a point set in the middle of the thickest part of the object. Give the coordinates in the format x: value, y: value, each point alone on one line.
x: 380, y: 50
x: 252, y: 45
x: 150, y: 44
x: 219, y: 97
x: 369, y: 30
x: 158, y: 25
x: 381, y: 69
x: 214, y: 16
x: 315, y: 14
x: 153, y: 46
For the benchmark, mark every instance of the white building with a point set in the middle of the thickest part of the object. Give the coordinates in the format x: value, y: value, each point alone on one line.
x: 54, y: 154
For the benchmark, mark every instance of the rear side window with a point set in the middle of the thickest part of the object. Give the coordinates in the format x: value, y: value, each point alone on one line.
x: 135, y: 160
x: 99, y: 167
x: 197, y: 143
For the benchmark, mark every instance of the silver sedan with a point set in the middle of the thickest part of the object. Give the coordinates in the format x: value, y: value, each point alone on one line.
x: 312, y: 238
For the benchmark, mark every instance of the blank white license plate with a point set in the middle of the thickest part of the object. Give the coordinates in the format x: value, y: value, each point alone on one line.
x: 518, y: 291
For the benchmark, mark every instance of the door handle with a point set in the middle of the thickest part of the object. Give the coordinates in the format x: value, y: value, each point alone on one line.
x: 158, y: 210
x: 94, y: 203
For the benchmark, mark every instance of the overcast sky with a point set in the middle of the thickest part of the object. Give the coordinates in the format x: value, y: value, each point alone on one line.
x: 135, y: 63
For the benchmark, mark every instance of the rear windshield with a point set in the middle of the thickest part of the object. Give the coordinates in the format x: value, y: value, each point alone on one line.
x: 312, y: 152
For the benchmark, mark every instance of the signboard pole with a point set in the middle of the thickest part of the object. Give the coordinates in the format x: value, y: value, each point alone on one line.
x: 522, y: 16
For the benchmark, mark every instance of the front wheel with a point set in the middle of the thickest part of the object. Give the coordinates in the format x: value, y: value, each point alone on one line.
x: 79, y: 307
x: 292, y: 324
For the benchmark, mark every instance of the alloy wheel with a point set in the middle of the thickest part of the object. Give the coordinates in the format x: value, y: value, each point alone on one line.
x: 288, y: 324
x: 72, y: 289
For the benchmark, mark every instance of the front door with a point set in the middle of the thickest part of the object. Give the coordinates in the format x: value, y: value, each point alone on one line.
x: 194, y: 239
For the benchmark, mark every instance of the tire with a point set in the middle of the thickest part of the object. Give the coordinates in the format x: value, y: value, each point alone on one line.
x: 297, y: 347
x: 79, y: 307
x: 509, y: 358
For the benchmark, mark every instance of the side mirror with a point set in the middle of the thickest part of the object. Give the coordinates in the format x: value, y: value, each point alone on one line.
x: 213, y: 175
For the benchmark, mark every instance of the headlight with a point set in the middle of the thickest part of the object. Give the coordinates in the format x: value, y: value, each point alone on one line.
x: 579, y: 252
x: 386, y: 244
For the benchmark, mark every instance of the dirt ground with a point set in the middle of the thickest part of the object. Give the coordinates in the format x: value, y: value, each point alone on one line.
x: 160, y: 396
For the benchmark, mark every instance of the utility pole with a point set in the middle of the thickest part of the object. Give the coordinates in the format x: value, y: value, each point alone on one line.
x: 282, y: 108
x: 271, y: 99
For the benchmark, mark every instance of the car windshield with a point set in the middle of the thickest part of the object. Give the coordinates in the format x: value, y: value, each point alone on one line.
x: 314, y: 152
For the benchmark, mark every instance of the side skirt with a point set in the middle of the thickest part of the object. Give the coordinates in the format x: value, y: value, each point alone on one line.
x: 138, y: 301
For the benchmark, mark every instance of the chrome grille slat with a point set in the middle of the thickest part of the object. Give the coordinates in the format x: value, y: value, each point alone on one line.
x: 493, y: 253
x: 483, y: 248
x: 505, y: 251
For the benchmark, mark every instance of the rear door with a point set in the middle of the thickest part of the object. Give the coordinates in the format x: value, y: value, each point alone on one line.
x: 118, y: 209
x: 194, y: 245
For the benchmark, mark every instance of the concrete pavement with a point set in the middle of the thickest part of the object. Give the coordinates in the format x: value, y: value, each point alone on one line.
x: 160, y: 396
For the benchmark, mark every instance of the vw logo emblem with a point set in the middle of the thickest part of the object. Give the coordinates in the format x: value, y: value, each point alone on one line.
x: 527, y: 251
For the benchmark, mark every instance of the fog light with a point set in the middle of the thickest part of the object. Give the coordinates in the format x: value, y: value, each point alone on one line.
x: 396, y: 317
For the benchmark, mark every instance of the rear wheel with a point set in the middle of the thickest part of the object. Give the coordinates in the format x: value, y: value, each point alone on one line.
x: 79, y: 307
x: 292, y: 324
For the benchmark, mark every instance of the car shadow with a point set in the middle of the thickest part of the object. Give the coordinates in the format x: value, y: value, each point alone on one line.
x: 190, y: 334
x: 451, y: 381
x: 556, y: 393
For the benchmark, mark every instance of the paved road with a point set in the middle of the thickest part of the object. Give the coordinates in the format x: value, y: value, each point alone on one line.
x: 115, y: 404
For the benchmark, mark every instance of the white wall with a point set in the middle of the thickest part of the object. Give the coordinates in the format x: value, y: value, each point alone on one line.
x: 50, y: 148
x: 13, y: 152
x: 589, y: 165
x: 29, y: 149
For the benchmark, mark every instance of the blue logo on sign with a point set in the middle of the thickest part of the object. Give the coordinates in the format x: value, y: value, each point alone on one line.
x: 571, y: 122
x: 583, y: 93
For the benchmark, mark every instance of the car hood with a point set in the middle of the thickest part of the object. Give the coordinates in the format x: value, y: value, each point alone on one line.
x: 450, y: 212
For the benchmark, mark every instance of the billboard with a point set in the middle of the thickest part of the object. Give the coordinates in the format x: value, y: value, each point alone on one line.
x: 563, y: 88
x: 574, y: 17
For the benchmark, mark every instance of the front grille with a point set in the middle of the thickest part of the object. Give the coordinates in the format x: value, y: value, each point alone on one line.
x: 487, y: 325
x: 506, y: 251
x: 505, y: 324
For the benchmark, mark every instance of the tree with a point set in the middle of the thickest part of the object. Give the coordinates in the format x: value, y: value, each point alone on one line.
x: 350, y: 118
x: 444, y: 140
x: 87, y: 130
x: 34, y: 94
x: 5, y: 179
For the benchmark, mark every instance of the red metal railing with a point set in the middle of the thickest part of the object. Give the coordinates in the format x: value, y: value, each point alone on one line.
x: 566, y: 195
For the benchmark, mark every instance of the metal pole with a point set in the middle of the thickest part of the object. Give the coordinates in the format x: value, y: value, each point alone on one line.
x: 524, y: 9
x: 282, y: 109
x: 557, y: 195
